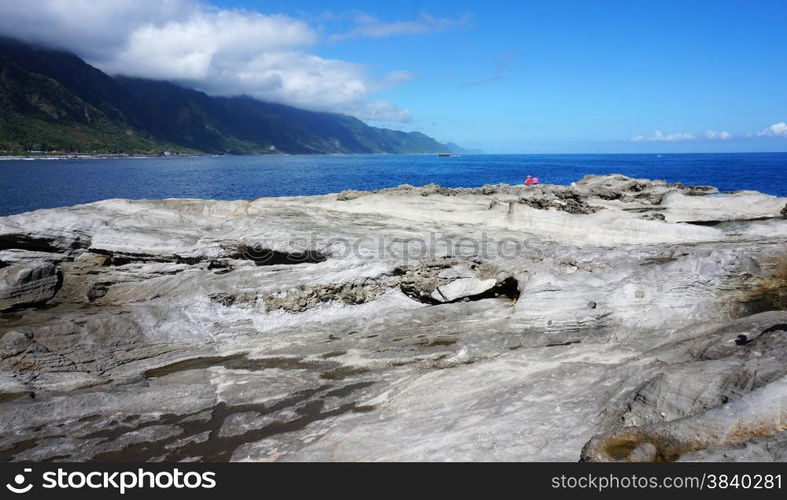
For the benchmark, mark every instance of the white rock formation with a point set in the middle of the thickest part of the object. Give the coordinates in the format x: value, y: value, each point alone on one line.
x: 632, y: 319
x: 462, y: 288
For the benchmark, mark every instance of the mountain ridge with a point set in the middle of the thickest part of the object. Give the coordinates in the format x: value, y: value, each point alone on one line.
x: 52, y: 100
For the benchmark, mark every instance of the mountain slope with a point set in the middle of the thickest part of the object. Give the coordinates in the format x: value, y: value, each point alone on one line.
x: 53, y: 100
x: 37, y: 112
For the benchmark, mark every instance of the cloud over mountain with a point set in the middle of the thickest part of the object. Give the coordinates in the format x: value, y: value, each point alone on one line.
x: 220, y: 51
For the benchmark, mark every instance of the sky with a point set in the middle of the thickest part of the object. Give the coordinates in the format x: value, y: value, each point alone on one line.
x: 507, y: 77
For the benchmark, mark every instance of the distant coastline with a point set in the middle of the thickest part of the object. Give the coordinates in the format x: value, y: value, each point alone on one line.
x: 95, y: 156
x: 120, y: 156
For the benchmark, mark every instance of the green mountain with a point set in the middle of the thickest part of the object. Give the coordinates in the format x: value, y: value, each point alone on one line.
x: 54, y: 101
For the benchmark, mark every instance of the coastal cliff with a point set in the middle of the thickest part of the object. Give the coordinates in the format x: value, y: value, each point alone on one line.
x: 614, y: 319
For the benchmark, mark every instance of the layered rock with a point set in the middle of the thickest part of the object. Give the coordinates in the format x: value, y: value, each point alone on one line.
x: 27, y: 284
x: 614, y: 319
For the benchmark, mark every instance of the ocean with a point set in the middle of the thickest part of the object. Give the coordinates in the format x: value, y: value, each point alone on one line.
x: 31, y: 185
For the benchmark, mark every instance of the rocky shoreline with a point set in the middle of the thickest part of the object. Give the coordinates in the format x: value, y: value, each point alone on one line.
x: 614, y: 319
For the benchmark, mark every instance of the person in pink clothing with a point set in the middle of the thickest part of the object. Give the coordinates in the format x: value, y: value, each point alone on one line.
x: 534, y: 180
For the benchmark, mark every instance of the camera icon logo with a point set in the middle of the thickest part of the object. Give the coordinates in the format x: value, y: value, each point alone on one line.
x: 19, y: 481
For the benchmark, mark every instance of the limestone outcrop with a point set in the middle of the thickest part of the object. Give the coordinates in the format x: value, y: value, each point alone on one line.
x: 614, y: 319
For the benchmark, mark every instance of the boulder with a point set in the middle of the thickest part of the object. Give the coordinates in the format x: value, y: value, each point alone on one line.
x: 461, y: 288
x: 27, y: 284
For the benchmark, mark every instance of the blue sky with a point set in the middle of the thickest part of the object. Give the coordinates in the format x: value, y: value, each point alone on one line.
x: 579, y: 75
x: 550, y: 76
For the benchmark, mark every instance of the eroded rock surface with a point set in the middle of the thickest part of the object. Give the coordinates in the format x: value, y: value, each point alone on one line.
x: 27, y: 284
x: 614, y: 319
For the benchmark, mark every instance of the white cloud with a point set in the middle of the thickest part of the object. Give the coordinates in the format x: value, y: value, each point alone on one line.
x: 775, y: 130
x: 660, y: 136
x: 715, y: 134
x: 220, y: 51
x: 93, y: 29
x: 370, y: 26
x: 381, y: 111
x: 186, y: 49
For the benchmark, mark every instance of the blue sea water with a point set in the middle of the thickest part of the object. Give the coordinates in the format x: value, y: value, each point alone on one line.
x: 30, y: 185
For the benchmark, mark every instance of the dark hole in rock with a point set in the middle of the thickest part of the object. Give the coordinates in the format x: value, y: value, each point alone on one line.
x: 509, y: 287
x: 267, y: 257
x: 219, y: 266
x: 25, y: 242
x: 188, y: 260
x: 273, y: 257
